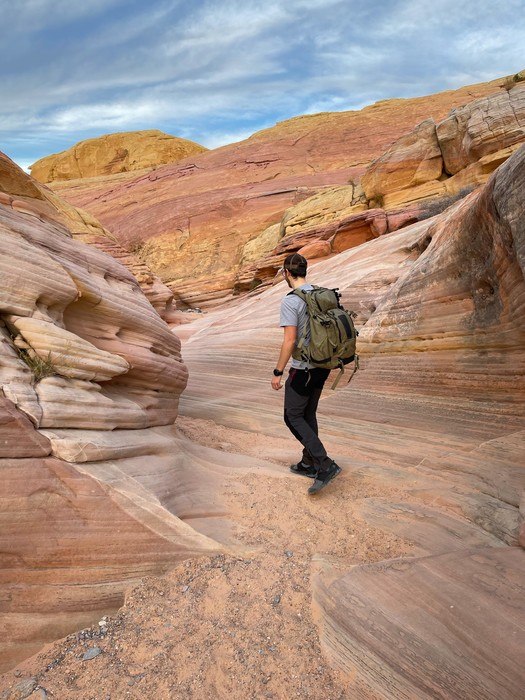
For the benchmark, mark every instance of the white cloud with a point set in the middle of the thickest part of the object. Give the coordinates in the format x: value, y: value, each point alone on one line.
x: 224, y: 138
x: 24, y: 163
x: 216, y: 70
x: 37, y: 15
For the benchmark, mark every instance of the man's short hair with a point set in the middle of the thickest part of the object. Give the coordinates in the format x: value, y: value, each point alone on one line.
x: 296, y: 265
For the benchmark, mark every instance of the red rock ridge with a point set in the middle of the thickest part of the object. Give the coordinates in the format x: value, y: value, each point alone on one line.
x: 192, y: 220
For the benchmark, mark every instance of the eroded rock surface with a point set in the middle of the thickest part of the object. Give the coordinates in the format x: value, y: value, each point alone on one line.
x: 434, y: 417
x: 114, y: 153
x: 436, y: 411
x: 390, y: 616
x: 418, y: 176
x: 84, y: 355
x: 191, y: 221
x: 439, y: 159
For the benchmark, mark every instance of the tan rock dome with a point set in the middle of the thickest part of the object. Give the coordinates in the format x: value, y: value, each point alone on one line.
x: 114, y: 153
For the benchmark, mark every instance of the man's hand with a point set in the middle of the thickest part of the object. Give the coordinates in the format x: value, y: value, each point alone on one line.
x: 276, y: 383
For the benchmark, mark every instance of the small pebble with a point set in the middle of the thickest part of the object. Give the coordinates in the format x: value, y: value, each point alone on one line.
x: 91, y: 653
x: 276, y: 599
x: 185, y: 588
x: 24, y: 688
x: 288, y: 553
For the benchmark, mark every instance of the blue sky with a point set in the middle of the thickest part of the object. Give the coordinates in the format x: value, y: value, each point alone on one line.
x: 216, y: 71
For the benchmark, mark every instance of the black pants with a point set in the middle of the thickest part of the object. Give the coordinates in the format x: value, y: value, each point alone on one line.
x: 302, y: 392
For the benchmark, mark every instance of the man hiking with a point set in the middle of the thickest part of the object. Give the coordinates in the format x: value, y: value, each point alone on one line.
x: 305, y: 382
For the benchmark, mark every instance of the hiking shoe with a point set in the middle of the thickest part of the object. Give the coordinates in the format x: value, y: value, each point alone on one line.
x: 324, y: 477
x: 304, y: 470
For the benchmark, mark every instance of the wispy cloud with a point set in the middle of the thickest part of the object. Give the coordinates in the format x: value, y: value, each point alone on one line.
x: 216, y: 69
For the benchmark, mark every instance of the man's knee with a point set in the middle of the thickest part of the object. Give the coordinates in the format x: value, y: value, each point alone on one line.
x: 290, y: 424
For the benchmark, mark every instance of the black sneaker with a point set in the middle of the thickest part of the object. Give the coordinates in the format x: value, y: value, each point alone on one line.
x: 324, y: 477
x: 304, y: 470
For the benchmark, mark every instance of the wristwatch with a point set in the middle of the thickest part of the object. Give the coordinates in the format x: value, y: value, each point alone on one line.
x: 277, y: 373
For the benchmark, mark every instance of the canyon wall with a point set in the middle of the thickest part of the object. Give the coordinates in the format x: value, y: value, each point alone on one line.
x: 98, y: 489
x: 436, y: 412
x: 190, y: 222
x: 422, y: 172
x: 89, y: 374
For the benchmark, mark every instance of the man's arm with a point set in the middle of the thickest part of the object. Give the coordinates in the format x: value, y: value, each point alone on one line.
x: 287, y: 347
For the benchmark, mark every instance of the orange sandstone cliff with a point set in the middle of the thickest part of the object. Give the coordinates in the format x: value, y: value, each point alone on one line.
x: 190, y: 222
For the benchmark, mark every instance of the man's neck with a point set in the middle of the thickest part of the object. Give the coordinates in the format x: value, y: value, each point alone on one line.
x: 296, y: 283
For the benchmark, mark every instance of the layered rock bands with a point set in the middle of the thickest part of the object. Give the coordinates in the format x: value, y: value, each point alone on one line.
x: 436, y: 411
x: 84, y: 358
x: 202, y: 225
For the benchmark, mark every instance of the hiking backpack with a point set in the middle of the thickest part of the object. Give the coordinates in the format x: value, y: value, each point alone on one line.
x: 332, y: 331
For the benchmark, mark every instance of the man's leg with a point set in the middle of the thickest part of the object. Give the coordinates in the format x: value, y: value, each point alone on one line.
x: 302, y: 393
x: 310, y: 416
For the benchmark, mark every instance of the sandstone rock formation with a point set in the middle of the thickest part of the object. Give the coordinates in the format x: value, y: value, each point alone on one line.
x: 436, y: 411
x: 434, y: 417
x: 25, y: 195
x: 114, y: 153
x: 429, y: 161
x: 190, y: 221
x: 419, y: 171
x: 84, y: 357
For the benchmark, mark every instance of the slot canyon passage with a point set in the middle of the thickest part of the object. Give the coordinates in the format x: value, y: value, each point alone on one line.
x: 154, y: 543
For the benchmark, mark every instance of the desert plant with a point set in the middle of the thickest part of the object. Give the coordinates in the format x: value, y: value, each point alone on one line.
x: 436, y: 206
x: 135, y: 248
x: 513, y: 80
x: 39, y: 366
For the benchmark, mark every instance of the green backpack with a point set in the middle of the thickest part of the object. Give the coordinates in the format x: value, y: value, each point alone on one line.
x: 332, y: 331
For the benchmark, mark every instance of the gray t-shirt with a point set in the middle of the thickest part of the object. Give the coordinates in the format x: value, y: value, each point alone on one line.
x: 294, y: 313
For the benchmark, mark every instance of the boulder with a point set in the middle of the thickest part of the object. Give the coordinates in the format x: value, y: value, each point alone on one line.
x: 358, y: 229
x: 328, y: 205
x: 440, y: 160
x: 315, y: 250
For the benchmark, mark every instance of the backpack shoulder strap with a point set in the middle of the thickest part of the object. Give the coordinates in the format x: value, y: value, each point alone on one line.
x: 302, y: 293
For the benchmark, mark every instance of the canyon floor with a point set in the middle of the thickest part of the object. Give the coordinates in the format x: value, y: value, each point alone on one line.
x: 239, y: 625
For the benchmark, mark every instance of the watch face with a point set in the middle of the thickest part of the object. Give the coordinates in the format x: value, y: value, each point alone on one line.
x: 277, y: 373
